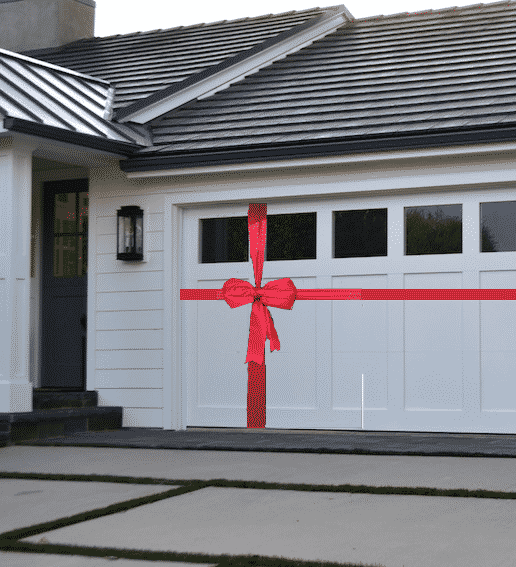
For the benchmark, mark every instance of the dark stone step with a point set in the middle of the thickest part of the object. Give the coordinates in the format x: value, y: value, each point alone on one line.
x: 47, y: 399
x: 48, y: 423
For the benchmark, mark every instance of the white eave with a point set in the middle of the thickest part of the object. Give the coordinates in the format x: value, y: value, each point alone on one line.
x: 335, y: 18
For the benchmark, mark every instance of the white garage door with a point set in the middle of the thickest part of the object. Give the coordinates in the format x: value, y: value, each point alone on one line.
x: 444, y: 366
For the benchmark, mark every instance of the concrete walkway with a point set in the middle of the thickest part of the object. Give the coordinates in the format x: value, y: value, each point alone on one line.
x: 346, y: 513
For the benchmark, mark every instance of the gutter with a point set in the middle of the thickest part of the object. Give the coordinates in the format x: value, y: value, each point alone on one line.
x: 282, y: 154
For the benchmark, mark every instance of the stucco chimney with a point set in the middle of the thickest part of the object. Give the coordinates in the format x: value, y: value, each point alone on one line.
x: 38, y: 24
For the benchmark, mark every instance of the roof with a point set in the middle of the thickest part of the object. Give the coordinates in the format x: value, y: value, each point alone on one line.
x: 41, y: 99
x: 141, y: 64
x: 407, y: 80
x: 381, y: 78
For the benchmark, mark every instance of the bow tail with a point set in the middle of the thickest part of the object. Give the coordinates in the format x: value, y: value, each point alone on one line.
x: 272, y: 335
x: 261, y: 328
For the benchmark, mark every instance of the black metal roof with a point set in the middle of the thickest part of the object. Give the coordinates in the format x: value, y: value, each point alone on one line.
x: 141, y: 64
x: 384, y: 78
x: 40, y: 98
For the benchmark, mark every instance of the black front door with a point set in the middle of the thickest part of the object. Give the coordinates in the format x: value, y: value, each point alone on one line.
x: 64, y: 285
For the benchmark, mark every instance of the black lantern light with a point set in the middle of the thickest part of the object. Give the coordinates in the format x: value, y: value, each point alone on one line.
x: 129, y: 237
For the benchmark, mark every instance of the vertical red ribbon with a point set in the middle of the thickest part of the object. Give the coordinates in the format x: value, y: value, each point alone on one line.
x: 257, y: 224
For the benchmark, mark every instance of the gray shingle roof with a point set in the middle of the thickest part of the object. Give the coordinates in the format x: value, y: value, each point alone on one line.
x: 439, y: 69
x: 140, y: 64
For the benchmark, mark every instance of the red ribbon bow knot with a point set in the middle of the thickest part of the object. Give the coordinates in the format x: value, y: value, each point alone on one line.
x: 278, y: 293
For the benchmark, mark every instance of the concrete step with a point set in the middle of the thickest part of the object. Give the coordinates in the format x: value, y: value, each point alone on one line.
x: 57, y: 414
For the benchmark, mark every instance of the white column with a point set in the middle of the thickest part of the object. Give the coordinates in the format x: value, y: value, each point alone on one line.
x: 15, y: 227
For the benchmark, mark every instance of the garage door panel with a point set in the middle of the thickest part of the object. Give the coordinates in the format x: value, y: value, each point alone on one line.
x: 224, y: 382
x: 347, y: 372
x: 291, y: 383
x: 433, y: 325
x: 222, y: 335
x: 360, y: 325
x: 291, y: 371
x: 376, y: 375
x: 498, y: 381
x: 497, y: 325
x: 221, y: 328
x: 433, y: 382
x: 296, y: 326
x: 347, y: 380
x: 498, y: 318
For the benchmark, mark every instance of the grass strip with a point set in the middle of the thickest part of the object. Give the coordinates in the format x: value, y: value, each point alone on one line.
x: 9, y: 541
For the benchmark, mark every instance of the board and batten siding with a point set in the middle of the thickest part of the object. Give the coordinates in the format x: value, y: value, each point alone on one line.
x: 127, y: 306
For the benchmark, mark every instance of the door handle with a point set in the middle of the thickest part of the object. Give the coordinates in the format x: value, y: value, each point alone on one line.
x: 83, y: 321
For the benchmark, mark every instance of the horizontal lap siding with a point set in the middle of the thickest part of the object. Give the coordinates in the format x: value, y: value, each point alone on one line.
x: 129, y: 317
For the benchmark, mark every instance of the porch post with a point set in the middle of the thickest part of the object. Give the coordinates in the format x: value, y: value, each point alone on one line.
x: 15, y: 229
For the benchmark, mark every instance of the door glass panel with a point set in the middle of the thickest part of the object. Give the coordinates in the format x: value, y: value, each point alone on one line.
x: 83, y: 213
x: 224, y: 240
x: 82, y: 261
x: 433, y: 230
x: 70, y: 236
x: 291, y: 237
x: 360, y: 234
x: 65, y: 256
x: 498, y: 225
x: 64, y: 213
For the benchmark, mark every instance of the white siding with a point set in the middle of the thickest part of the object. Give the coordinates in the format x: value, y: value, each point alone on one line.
x: 128, y: 321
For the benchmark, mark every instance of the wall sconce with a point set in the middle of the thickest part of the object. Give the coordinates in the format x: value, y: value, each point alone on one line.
x: 129, y: 237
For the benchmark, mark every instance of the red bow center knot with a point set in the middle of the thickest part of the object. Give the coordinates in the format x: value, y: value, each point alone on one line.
x: 278, y: 293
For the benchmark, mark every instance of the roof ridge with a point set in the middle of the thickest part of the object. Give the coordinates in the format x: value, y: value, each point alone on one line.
x: 422, y: 13
x: 204, y: 24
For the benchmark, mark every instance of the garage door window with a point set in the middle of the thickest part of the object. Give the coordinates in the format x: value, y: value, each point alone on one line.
x: 498, y: 222
x: 360, y: 234
x: 224, y: 240
x: 289, y: 237
x: 433, y: 230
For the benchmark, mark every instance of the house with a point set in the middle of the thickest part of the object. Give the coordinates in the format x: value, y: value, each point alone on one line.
x: 385, y: 149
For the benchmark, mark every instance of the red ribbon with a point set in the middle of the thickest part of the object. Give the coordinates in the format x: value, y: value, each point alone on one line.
x: 278, y: 293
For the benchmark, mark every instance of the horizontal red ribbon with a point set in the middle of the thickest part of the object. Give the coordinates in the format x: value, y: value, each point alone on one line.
x: 372, y: 294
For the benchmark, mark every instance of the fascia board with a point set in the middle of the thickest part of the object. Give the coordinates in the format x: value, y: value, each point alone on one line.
x: 337, y: 160
x: 252, y: 64
x: 115, y: 147
x: 450, y: 138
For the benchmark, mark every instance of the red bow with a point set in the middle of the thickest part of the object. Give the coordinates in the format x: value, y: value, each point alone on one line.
x: 278, y: 293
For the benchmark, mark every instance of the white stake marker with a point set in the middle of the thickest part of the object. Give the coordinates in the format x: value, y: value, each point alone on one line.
x: 362, y: 401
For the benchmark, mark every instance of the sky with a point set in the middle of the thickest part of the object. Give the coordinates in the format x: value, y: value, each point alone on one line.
x: 127, y: 16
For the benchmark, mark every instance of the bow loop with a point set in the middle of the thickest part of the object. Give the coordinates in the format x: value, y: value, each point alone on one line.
x: 237, y: 292
x: 279, y: 293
